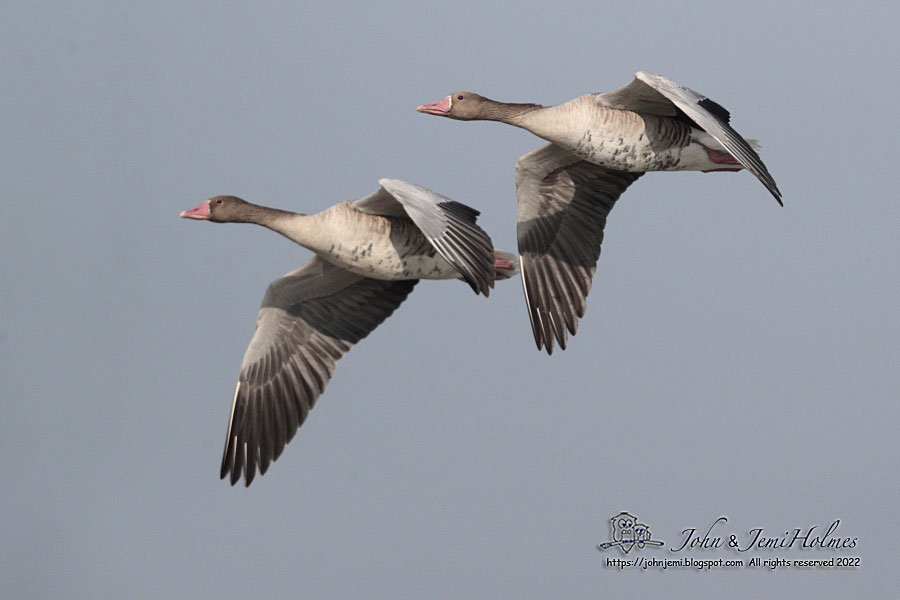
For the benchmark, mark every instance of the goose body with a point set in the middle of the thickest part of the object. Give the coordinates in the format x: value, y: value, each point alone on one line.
x: 599, y: 145
x: 369, y: 254
x: 623, y: 140
x: 370, y: 245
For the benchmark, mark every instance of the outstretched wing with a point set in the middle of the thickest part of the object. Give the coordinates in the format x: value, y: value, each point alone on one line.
x: 563, y: 205
x: 308, y: 320
x: 658, y: 95
x: 449, y: 227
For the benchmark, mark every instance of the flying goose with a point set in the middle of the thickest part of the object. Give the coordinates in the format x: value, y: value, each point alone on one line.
x: 599, y: 145
x: 370, y: 253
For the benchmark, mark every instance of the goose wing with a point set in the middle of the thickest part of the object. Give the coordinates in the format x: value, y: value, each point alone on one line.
x: 448, y: 226
x: 308, y: 320
x: 563, y: 205
x: 658, y: 95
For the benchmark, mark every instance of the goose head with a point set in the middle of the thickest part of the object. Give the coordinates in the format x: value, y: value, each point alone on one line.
x: 220, y: 209
x: 463, y: 106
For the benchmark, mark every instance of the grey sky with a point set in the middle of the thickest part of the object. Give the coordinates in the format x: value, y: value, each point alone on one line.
x: 736, y: 359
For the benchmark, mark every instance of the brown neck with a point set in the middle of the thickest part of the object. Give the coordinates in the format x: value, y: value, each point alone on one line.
x: 261, y: 215
x: 294, y: 226
x: 505, y: 112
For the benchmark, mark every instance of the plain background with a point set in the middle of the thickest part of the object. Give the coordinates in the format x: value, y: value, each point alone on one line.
x: 737, y: 358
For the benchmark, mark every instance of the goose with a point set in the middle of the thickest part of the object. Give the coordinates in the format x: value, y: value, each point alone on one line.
x: 369, y: 254
x: 599, y: 145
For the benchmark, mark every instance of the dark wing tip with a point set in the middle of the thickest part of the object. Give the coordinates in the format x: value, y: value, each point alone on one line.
x: 777, y: 193
x: 715, y: 109
x: 762, y: 173
x: 463, y: 211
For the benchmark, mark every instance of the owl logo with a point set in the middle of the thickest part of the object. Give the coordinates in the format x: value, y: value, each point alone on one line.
x: 623, y: 529
x: 627, y: 532
x: 642, y: 536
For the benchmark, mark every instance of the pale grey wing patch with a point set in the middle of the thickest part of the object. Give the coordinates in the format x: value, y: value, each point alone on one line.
x: 451, y: 229
x: 380, y: 203
x: 308, y: 320
x: 713, y: 118
x: 563, y: 205
x: 639, y: 97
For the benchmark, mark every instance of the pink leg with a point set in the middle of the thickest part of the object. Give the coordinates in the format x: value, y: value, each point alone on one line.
x: 500, y: 263
x: 720, y: 157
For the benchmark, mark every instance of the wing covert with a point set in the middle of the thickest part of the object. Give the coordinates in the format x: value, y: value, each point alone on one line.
x: 449, y: 226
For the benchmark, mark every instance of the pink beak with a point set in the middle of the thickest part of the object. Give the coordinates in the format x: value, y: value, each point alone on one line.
x: 440, y: 108
x: 201, y: 213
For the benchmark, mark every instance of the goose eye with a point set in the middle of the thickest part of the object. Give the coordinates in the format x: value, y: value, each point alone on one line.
x: 459, y: 97
x: 218, y: 201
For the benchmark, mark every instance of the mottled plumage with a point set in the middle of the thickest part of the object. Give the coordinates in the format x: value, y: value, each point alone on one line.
x: 599, y: 145
x: 370, y: 253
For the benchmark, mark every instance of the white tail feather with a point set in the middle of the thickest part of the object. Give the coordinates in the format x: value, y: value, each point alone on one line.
x: 754, y: 144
